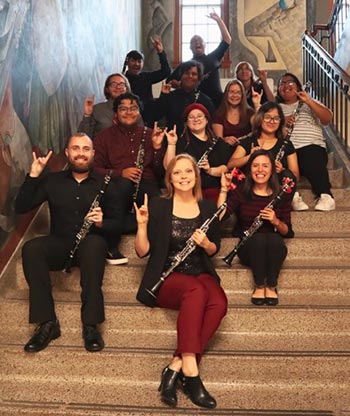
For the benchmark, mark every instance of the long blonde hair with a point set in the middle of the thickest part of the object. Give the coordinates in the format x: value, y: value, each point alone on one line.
x: 169, y: 189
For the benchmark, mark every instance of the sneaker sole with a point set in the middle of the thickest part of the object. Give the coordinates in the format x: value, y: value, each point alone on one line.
x: 115, y: 262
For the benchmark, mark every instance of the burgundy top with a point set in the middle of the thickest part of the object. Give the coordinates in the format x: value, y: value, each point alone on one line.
x: 117, y: 148
x: 237, y: 130
x: 247, y: 210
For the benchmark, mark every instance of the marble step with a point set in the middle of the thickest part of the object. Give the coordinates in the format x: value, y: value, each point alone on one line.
x: 59, y: 409
x: 263, y: 329
x: 300, y: 283
x: 279, y: 381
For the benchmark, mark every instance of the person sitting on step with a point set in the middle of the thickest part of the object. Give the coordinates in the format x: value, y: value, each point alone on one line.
x: 70, y: 195
x: 264, y: 251
x: 134, y: 154
x: 100, y: 116
x: 193, y: 287
x: 308, y: 140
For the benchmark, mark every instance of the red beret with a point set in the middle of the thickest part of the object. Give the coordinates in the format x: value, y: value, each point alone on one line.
x: 195, y: 106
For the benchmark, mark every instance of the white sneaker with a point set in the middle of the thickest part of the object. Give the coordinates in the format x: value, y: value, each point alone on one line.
x: 325, y: 203
x: 298, y: 204
x: 115, y: 257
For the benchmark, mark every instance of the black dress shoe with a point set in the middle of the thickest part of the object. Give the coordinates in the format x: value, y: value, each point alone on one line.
x: 195, y: 390
x: 272, y: 301
x: 44, y: 333
x: 168, y: 386
x: 92, y: 338
x: 257, y: 301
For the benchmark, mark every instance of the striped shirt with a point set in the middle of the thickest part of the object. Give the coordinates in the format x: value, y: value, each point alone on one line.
x: 307, y: 128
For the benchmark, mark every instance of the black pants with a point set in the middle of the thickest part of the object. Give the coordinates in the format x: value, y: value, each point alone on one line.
x: 264, y: 253
x: 126, y: 189
x: 312, y: 162
x: 43, y: 254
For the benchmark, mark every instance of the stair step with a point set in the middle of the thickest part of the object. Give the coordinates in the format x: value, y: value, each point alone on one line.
x: 315, y: 329
x: 75, y: 409
x: 237, y: 380
x: 336, y: 178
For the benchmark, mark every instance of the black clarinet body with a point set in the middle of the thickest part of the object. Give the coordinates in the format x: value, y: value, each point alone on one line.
x: 205, y: 155
x: 286, y: 140
x: 139, y: 164
x: 184, y: 253
x: 257, y: 223
x: 84, y: 230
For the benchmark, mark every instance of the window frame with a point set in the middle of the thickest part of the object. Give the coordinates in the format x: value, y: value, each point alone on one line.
x: 177, y: 58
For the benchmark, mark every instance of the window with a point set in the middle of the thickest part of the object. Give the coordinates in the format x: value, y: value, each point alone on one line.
x: 191, y: 19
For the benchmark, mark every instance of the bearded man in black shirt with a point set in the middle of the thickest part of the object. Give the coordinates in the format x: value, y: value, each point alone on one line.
x: 69, y: 195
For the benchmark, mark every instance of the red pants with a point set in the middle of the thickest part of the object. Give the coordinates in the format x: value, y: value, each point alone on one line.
x: 201, y: 303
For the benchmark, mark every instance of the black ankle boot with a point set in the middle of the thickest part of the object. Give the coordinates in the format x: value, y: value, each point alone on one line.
x: 168, y: 386
x: 194, y: 389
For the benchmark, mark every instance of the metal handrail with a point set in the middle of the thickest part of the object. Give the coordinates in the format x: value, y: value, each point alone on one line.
x: 330, y: 85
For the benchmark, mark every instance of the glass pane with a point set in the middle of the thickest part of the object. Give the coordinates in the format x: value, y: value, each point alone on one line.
x: 186, y: 52
x: 187, y: 32
x: 201, y: 2
x: 187, y: 15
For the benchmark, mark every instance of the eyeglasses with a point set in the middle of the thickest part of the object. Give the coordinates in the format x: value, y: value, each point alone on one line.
x: 235, y: 93
x: 198, y: 117
x: 287, y: 83
x: 270, y: 119
x: 117, y: 84
x: 133, y: 109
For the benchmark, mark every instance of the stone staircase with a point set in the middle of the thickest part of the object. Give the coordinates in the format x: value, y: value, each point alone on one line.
x: 293, y: 359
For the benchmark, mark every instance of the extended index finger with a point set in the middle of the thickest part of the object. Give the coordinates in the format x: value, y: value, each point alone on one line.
x: 145, y: 200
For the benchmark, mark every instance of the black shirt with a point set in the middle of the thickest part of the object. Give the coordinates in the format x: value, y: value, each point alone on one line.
x: 69, y: 201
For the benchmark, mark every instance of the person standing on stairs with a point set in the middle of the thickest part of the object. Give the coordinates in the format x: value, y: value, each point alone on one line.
x: 193, y: 288
x: 69, y: 195
x: 308, y: 140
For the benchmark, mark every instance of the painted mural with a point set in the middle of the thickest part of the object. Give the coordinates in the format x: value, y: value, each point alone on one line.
x: 53, y: 53
x: 268, y: 34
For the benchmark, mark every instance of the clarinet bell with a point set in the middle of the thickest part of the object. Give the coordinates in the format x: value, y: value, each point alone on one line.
x: 229, y: 258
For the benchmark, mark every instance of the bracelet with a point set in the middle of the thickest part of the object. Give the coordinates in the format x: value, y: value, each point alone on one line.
x: 223, y: 191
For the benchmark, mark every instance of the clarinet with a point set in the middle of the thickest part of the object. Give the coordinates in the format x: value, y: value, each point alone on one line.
x: 139, y: 164
x: 205, y: 155
x: 258, y: 221
x: 82, y: 233
x: 125, y: 65
x: 190, y: 245
x: 286, y: 140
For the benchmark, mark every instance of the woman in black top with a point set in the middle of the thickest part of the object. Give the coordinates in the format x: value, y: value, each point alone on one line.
x: 193, y: 288
x: 196, y: 140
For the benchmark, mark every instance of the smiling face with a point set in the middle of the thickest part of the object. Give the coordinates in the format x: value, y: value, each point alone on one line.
x: 128, y: 112
x: 244, y: 73
x: 190, y: 79
x: 261, y: 169
x: 196, y: 121
x: 80, y: 153
x: 183, y: 176
x: 116, y: 86
x: 135, y: 66
x: 271, y: 121
x: 234, y: 95
x: 197, y: 45
x: 287, y: 89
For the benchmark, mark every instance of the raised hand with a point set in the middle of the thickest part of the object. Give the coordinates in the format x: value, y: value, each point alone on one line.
x: 89, y: 105
x: 213, y: 15
x: 262, y: 74
x: 142, y: 214
x: 226, y: 179
x: 166, y: 88
x: 171, y: 136
x: 39, y: 164
x: 157, y: 43
x: 157, y: 136
x: 256, y: 97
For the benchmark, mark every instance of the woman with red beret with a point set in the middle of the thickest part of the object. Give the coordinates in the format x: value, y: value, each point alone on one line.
x: 199, y: 141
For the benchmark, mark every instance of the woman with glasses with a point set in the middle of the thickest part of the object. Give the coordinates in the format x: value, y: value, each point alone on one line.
x: 307, y: 138
x: 198, y: 140
x: 245, y: 73
x: 268, y: 134
x: 233, y: 117
x: 100, y: 116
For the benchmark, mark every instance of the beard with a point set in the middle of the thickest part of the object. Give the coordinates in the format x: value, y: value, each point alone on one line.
x: 80, y: 164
